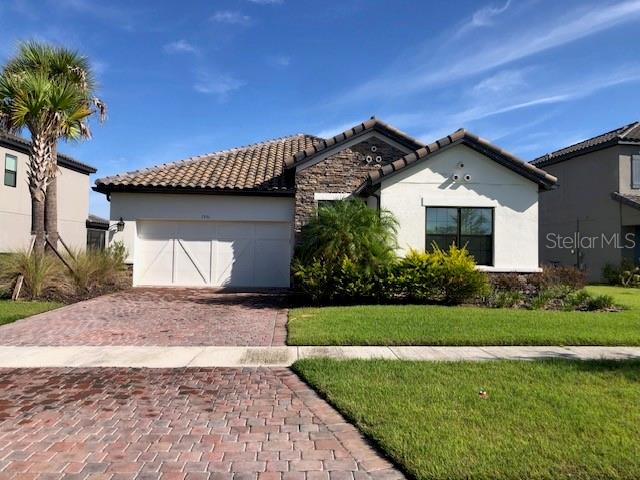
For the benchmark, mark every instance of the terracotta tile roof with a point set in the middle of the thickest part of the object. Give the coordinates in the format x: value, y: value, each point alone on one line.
x: 253, y: 168
x: 373, y: 124
x: 627, y: 199
x: 462, y: 136
x: 23, y: 145
x: 626, y: 133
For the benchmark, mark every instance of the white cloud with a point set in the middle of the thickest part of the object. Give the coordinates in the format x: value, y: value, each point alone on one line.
x: 219, y: 84
x: 279, y: 60
x: 436, y: 124
x: 231, y: 17
x: 498, y: 52
x: 330, y: 131
x: 180, y: 46
x: 501, y: 82
x: 484, y: 17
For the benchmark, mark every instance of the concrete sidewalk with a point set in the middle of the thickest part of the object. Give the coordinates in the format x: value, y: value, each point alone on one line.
x: 178, y: 357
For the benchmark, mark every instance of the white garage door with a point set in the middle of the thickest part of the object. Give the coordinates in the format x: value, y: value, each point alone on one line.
x: 233, y: 254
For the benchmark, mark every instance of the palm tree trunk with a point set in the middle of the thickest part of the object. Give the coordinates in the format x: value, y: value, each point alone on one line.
x: 37, y: 224
x: 51, y: 202
x: 38, y: 169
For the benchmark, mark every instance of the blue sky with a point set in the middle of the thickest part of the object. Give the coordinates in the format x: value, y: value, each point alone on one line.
x: 187, y: 78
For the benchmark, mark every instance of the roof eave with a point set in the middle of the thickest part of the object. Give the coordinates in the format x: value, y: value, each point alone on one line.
x: 545, y: 162
x: 625, y: 201
x: 366, y: 127
x: 108, y: 189
x: 543, y: 179
x: 15, y: 143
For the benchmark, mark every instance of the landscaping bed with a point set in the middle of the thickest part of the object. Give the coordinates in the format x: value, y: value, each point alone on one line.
x: 11, y: 311
x: 546, y: 420
x: 441, y: 325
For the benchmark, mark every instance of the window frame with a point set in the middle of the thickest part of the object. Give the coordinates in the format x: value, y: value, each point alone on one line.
x: 7, y: 156
x: 635, y: 169
x: 102, y: 233
x: 458, y: 234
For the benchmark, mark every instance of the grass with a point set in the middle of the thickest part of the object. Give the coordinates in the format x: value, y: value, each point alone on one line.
x: 628, y: 297
x: 11, y: 311
x: 438, y: 325
x: 542, y: 420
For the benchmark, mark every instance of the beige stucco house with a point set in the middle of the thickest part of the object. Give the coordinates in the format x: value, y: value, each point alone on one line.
x: 593, y: 217
x: 230, y: 218
x: 15, y: 201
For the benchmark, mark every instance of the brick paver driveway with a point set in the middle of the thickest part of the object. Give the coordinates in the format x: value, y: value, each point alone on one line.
x: 165, y: 317
x: 179, y: 423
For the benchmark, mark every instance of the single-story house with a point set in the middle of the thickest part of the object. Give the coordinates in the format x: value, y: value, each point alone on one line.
x: 230, y: 218
x: 593, y: 218
x: 15, y: 199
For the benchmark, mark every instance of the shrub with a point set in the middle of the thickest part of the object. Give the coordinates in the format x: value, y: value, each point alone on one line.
x: 611, y: 274
x: 504, y: 299
x: 349, y: 228
x: 559, y: 275
x: 44, y: 275
x: 98, y: 271
x: 449, y: 277
x: 564, y: 298
x: 601, y: 302
x: 345, y: 254
x: 626, y: 275
x: 340, y: 281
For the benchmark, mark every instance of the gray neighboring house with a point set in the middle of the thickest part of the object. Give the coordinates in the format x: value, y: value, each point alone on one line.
x: 592, y: 218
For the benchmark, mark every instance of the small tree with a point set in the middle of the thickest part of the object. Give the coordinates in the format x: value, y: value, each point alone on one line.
x: 349, y: 228
x: 49, y: 91
x: 344, y: 253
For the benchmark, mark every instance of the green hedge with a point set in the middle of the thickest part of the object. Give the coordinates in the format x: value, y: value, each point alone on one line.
x: 447, y: 277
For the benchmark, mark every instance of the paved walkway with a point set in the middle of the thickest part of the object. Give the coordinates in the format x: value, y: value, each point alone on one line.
x: 178, y: 357
x: 158, y: 316
x: 221, y: 424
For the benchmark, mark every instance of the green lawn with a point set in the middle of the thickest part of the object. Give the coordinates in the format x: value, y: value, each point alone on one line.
x: 12, y: 311
x: 541, y: 420
x: 438, y: 325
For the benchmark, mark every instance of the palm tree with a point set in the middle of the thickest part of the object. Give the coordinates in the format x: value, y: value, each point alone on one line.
x: 349, y: 228
x: 50, y: 91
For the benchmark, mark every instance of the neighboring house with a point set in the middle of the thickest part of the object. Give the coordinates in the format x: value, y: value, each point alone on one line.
x: 230, y: 218
x: 15, y: 200
x: 593, y: 217
x: 97, y: 229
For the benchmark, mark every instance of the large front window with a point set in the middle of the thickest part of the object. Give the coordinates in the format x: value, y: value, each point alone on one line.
x: 471, y: 228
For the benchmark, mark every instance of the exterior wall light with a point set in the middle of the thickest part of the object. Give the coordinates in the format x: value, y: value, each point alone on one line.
x: 118, y: 226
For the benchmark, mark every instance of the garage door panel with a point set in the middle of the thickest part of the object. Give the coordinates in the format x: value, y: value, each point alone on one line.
x: 233, y: 264
x: 234, y: 230
x: 236, y: 254
x: 271, y: 266
x: 192, y: 262
x: 273, y: 231
x: 156, y: 259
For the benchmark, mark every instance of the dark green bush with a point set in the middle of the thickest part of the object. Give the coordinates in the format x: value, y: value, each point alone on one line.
x: 340, y: 282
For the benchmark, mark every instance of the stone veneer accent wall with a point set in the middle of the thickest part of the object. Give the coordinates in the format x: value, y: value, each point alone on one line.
x: 339, y: 173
